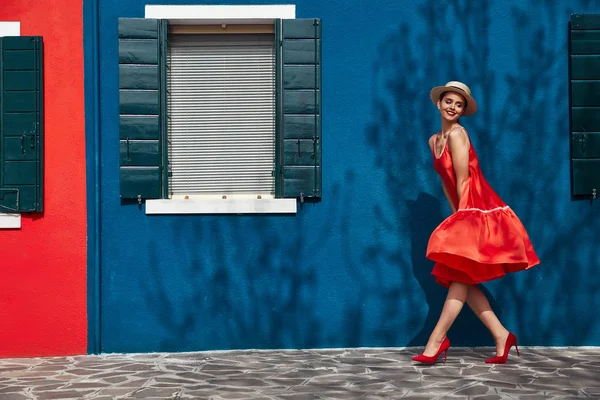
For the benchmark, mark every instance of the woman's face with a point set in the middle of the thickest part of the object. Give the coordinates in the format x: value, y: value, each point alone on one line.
x: 451, y: 106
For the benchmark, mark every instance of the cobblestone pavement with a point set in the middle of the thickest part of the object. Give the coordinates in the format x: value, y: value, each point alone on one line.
x: 540, y: 373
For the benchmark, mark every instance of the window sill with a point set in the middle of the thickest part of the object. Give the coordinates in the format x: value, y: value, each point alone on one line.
x: 10, y: 221
x: 221, y: 206
x: 10, y: 28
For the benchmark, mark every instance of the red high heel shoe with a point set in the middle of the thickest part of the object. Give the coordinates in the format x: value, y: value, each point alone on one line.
x: 422, y: 358
x: 510, y: 341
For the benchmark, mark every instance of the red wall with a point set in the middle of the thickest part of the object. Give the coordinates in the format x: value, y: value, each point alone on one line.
x: 43, y: 265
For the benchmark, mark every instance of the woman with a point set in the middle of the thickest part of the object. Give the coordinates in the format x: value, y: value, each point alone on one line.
x: 482, y: 240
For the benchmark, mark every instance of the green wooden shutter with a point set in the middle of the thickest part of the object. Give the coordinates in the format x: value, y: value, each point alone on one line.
x: 21, y: 124
x: 298, y: 148
x: 585, y: 104
x: 142, y: 107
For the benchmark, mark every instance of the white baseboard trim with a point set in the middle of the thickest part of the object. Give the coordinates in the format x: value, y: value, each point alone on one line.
x: 350, y: 349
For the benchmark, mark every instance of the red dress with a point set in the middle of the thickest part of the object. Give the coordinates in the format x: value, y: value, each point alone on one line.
x: 483, y: 239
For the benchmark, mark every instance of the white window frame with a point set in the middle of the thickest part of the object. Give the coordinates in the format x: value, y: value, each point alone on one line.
x: 10, y: 220
x: 211, y: 15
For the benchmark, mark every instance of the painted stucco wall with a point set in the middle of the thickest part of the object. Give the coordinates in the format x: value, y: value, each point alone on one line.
x: 351, y: 270
x: 43, y: 264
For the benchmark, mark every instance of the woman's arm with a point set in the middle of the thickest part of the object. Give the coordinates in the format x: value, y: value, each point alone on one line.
x: 447, y: 194
x: 444, y: 188
x: 458, y: 143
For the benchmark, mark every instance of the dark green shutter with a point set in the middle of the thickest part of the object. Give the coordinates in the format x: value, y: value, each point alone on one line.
x: 21, y: 124
x: 142, y: 107
x: 585, y: 104
x: 299, y: 108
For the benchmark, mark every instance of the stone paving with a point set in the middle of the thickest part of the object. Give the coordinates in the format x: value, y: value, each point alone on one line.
x: 540, y: 373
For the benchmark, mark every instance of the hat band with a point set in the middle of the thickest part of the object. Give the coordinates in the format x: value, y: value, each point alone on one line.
x: 456, y: 87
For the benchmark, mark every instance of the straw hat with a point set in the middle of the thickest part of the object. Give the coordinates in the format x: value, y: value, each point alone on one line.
x: 456, y: 87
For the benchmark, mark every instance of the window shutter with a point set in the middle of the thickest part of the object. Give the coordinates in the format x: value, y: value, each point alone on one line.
x: 299, y: 104
x: 21, y: 124
x: 585, y: 104
x: 142, y: 107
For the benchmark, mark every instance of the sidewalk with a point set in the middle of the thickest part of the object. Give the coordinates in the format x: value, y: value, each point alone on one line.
x: 540, y: 373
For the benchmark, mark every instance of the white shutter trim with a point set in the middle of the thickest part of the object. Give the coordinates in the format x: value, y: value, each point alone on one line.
x: 221, y: 108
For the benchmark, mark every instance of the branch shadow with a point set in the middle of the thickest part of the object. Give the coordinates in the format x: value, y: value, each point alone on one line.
x: 402, y: 107
x: 227, y: 299
x: 544, y: 181
x: 236, y: 282
x: 513, y: 128
x: 425, y: 216
x: 253, y: 282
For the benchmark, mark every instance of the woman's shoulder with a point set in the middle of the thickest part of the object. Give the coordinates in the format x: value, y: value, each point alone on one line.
x: 459, y: 136
x: 458, y: 133
x: 431, y: 140
x: 432, y: 137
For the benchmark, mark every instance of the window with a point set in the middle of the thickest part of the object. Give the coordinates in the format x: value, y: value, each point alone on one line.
x: 207, y: 114
x: 21, y: 124
x: 585, y: 104
x: 221, y: 108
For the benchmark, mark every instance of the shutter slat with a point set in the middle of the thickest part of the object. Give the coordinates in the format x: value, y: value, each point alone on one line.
x: 224, y: 162
x: 206, y: 125
x: 221, y: 115
x: 249, y: 176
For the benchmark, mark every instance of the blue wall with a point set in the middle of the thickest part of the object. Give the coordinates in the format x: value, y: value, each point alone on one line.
x: 351, y: 270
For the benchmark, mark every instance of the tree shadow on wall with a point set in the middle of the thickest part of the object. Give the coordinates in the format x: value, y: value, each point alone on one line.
x: 404, y: 120
x: 425, y: 216
x: 512, y: 128
x: 566, y: 242
x: 236, y: 282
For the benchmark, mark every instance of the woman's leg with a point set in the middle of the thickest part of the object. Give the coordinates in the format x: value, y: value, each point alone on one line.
x: 481, y: 307
x: 457, y: 295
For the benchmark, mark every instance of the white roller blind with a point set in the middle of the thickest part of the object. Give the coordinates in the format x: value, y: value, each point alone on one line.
x: 221, y: 107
